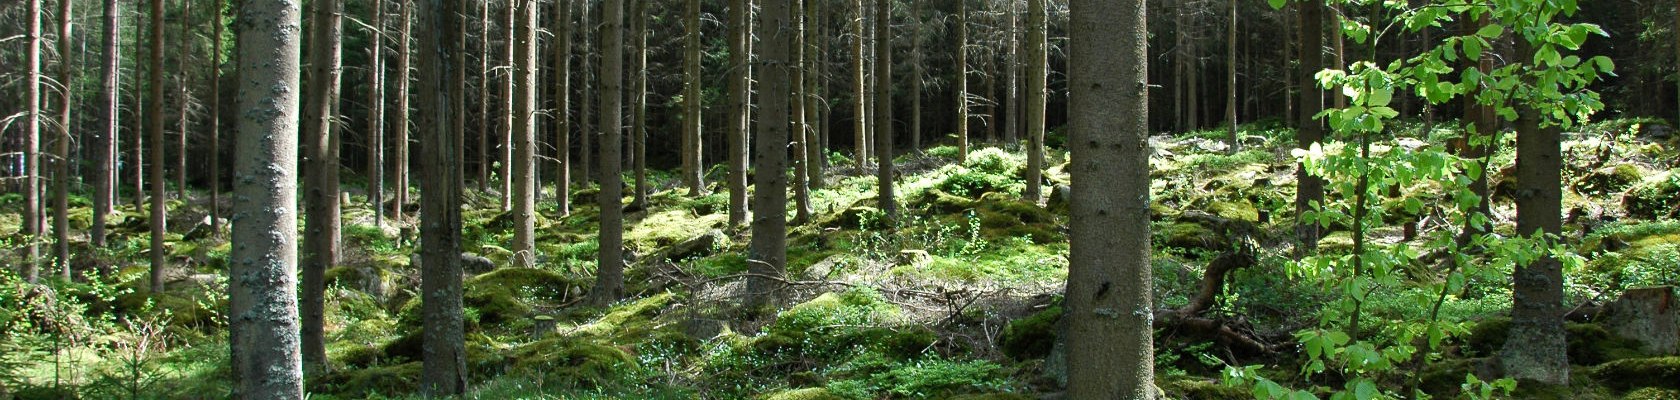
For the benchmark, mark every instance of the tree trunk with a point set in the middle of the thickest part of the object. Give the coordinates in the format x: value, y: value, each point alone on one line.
x: 768, y: 253
x: 916, y: 76
x: 181, y: 101
x: 1037, y: 95
x: 443, y: 369
x: 105, y: 139
x: 376, y: 114
x: 609, y: 275
x: 1110, y: 349
x: 962, y: 81
x: 61, y: 167
x: 32, y: 157
x: 796, y: 106
x: 216, y: 120
x: 1536, y: 347
x: 739, y: 90
x: 1231, y: 83
x: 141, y: 126
x: 510, y: 121
x: 484, y: 98
x: 1309, y: 189
x: 524, y: 131
x: 586, y: 135
x: 1012, y: 89
x: 320, y: 168
x: 691, y: 143
x: 404, y: 37
x: 262, y: 264
x: 883, y: 111
x: 1336, y: 39
x: 159, y: 214
x: 815, y: 123
x: 860, y: 117
x: 562, y: 112
x: 639, y: 19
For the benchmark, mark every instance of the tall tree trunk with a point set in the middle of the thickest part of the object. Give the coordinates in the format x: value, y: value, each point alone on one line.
x: 1310, y: 188
x: 796, y: 106
x: 1012, y: 89
x: 692, y: 169
x: 1535, y: 348
x: 587, y: 134
x: 860, y: 125
x: 1677, y: 61
x: 562, y: 113
x: 320, y: 168
x: 105, y: 139
x: 962, y: 81
x: 444, y: 366
x: 524, y: 131
x: 459, y: 101
x: 1037, y: 94
x: 768, y: 252
x: 1110, y: 347
x: 1231, y: 83
x: 888, y: 202
x: 1339, y: 46
x: 376, y: 114
x: 815, y: 123
x: 141, y: 125
x: 32, y: 149
x: 484, y: 97
x: 61, y: 167
x: 916, y: 76
x: 182, y: 101
x: 640, y: 93
x: 159, y: 213
x: 262, y: 264
x: 739, y: 90
x: 509, y: 119
x: 405, y: 37
x: 609, y: 273
x: 217, y: 22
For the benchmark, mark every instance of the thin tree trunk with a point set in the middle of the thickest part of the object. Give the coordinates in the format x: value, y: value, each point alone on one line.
x: 796, y: 106
x: 1037, y: 94
x: 1231, y: 82
x: 609, y: 273
x: 1309, y: 189
x: 916, y: 76
x: 768, y: 253
x: 1340, y: 49
x: 159, y: 214
x: 399, y: 185
x: 639, y: 17
x: 484, y: 98
x: 509, y: 120
x: 860, y: 125
x: 888, y: 202
x: 320, y: 158
x: 739, y: 89
x: 1012, y: 89
x: 141, y: 124
x: 181, y: 101
x: 1110, y: 348
x: 216, y: 21
x: 524, y: 131
x: 262, y: 265
x: 562, y: 112
x: 691, y: 142
x: 376, y: 114
x: 815, y: 123
x: 586, y: 135
x: 32, y: 149
x: 61, y: 166
x: 962, y: 81
x: 444, y: 367
x: 105, y: 139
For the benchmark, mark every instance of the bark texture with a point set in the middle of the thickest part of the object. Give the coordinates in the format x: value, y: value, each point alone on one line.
x: 739, y: 91
x: 1536, y: 347
x: 524, y: 134
x: 444, y: 365
x: 691, y: 141
x: 767, y: 256
x: 1310, y: 188
x: 609, y: 273
x: 320, y: 168
x: 1037, y: 94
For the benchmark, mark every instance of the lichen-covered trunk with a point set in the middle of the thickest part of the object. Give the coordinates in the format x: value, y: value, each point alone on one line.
x: 1037, y: 94
x: 767, y: 256
x: 320, y: 168
x: 916, y: 76
x: 609, y: 273
x: 1536, y: 346
x: 1109, y: 312
x: 159, y: 212
x: 562, y: 113
x: 884, y: 195
x: 443, y: 347
x: 739, y: 90
x: 105, y: 138
x: 1235, y: 143
x: 692, y: 166
x: 1309, y: 189
x: 484, y: 97
x: 262, y: 263
x: 181, y: 100
x: 524, y: 131
x: 1012, y: 89
x: 510, y: 119
x: 586, y: 145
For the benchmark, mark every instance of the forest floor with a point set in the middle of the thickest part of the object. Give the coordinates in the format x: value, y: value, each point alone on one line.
x: 958, y: 300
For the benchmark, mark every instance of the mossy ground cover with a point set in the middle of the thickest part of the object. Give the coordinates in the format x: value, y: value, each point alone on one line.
x: 954, y: 300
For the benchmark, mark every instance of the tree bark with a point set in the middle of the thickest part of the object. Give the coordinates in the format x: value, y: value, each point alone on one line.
x: 443, y: 369
x: 609, y: 274
x: 1110, y: 346
x: 815, y: 123
x: 639, y: 17
x: 1012, y: 89
x: 562, y: 112
x: 739, y: 90
x: 916, y: 76
x: 61, y: 167
x: 1231, y: 83
x: 159, y: 212
x: 962, y: 81
x: 32, y: 149
x: 510, y: 121
x: 183, y: 51
x: 105, y: 139
x: 262, y: 264
x: 796, y: 106
x: 1309, y: 188
x: 587, y: 74
x: 524, y: 130
x: 860, y: 97
x: 141, y: 126
x: 405, y: 37
x: 216, y: 119
x: 1536, y: 346
x: 320, y: 168
x: 484, y: 97
x: 768, y: 253
x: 691, y: 143
x: 1037, y: 95
x: 888, y: 202
x: 376, y: 114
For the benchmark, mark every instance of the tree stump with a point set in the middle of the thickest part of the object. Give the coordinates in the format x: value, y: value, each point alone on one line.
x: 1649, y: 315
x: 542, y: 326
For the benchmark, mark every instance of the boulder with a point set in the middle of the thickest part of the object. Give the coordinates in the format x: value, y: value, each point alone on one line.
x: 1656, y: 197
x: 1649, y: 315
x: 200, y: 230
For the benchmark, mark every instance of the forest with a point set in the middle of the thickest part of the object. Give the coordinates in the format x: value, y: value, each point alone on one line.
x: 839, y: 199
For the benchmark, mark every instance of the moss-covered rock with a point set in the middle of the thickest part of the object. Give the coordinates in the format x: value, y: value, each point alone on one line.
x: 1589, y: 344
x: 803, y: 394
x: 1610, y: 180
x: 1031, y: 337
x: 572, y: 361
x: 1189, y: 235
x: 1656, y: 197
x: 939, y: 201
x: 508, y: 294
x: 1651, y: 393
x: 1629, y: 373
x: 630, y: 322
x: 1235, y: 210
x: 363, y: 382
x: 1189, y: 387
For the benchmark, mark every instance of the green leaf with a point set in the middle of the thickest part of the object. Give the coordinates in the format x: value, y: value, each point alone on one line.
x: 1473, y: 49
x: 1380, y: 97
x: 1491, y: 31
x: 1365, y: 390
x: 1277, y: 4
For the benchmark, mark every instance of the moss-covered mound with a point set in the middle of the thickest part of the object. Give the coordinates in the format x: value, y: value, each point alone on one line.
x: 572, y: 361
x: 1589, y: 344
x: 1663, y: 372
x: 1656, y: 197
x: 1031, y: 337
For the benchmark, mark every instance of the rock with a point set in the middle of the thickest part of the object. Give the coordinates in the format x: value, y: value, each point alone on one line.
x: 1655, y: 197
x: 200, y: 230
x: 1235, y: 210
x: 822, y: 270
x: 914, y: 258
x: 207, y: 281
x: 1649, y: 315
x: 1059, y: 198
x: 695, y: 247
x: 474, y: 264
x: 1656, y: 132
x: 1640, y: 372
x: 1610, y: 180
x: 705, y: 328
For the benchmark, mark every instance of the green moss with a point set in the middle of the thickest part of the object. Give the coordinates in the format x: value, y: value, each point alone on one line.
x: 508, y: 294
x: 1651, y: 393
x: 803, y: 394
x: 1589, y: 344
x: 664, y: 228
x: 939, y: 201
x: 1186, y: 235
x: 1189, y: 387
x: 628, y: 322
x: 1235, y: 210
x: 364, y: 382
x: 573, y: 361
x: 1640, y: 372
x: 1031, y: 337
x: 1610, y: 180
x: 993, y: 396
x: 1655, y: 197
